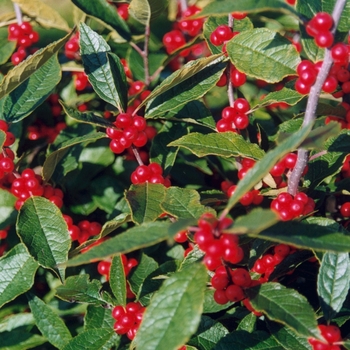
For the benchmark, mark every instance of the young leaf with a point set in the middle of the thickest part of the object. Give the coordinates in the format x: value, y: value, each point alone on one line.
x: 134, y: 238
x: 105, y: 12
x: 25, y: 98
x: 333, y: 282
x: 44, y: 14
x: 49, y: 323
x: 24, y: 70
x: 183, y: 203
x: 117, y: 280
x: 286, y: 306
x: 181, y: 298
x: 269, y: 51
x: 98, y: 66
x: 222, y: 144
x: 145, y: 202
x: 42, y: 229
x: 17, y: 271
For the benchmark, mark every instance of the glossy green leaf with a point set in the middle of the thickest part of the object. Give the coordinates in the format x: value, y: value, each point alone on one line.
x: 113, y: 224
x: 42, y: 229
x: 145, y: 11
x: 262, y: 167
x: 145, y: 202
x: 243, y: 340
x: 17, y: 271
x: 105, y: 12
x: 24, y: 99
x: 320, y: 234
x: 333, y: 282
x: 189, y: 83
x: 81, y: 290
x: 20, y: 340
x: 49, y: 323
x: 224, y: 144
x: 117, y: 280
x: 248, y: 323
x: 132, y: 239
x: 97, y: 317
x: 286, y: 306
x: 7, y: 203
x: 184, y: 203
x: 14, y: 321
x: 91, y: 339
x: 260, y: 51
x: 6, y: 50
x: 181, y: 299
x: 86, y: 117
x: 102, y: 68
x: 24, y: 70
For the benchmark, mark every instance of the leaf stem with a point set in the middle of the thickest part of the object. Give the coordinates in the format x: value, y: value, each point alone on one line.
x: 310, y: 113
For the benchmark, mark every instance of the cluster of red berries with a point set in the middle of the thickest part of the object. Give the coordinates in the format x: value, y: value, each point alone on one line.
x: 128, y: 318
x: 217, y: 246
x: 221, y: 35
x: 237, y: 78
x: 233, y: 118
x: 332, y: 336
x: 7, y: 156
x: 83, y: 230
x: 319, y: 27
x: 30, y: 184
x: 182, y: 238
x: 25, y: 36
x: 252, y: 197
x: 289, y: 207
x: 71, y: 48
x: 129, y: 130
x: 81, y: 81
x: 152, y: 173
x: 192, y: 27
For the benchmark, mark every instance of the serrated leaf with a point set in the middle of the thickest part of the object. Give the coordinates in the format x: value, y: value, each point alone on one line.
x: 289, y: 96
x: 145, y: 202
x: 286, y: 306
x: 20, y: 340
x: 117, y: 280
x: 81, y: 290
x: 24, y: 99
x: 105, y: 12
x: 260, y: 51
x: 333, y: 282
x: 97, y: 317
x: 134, y: 238
x: 49, y: 323
x: 181, y: 299
x: 6, y: 50
x: 17, y: 271
x: 98, y: 65
x: 42, y: 13
x: 24, y: 70
x: 223, y: 144
x: 189, y: 83
x: 42, y: 229
x: 86, y: 117
x: 183, y: 203
x: 91, y: 339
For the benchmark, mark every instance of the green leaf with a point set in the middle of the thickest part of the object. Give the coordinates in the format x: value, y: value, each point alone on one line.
x: 254, y: 222
x: 42, y: 229
x: 189, y: 83
x: 105, y: 72
x: 117, y: 280
x: 333, y: 282
x: 81, y: 290
x: 91, y: 339
x: 146, y: 266
x: 184, y: 203
x: 24, y: 70
x: 97, y: 317
x: 105, y: 12
x: 14, y: 321
x: 243, y: 340
x: 260, y: 51
x: 320, y: 234
x: 20, y: 340
x: 86, y: 117
x: 181, y: 299
x: 43, y: 14
x: 24, y: 99
x: 6, y: 50
x: 49, y: 323
x: 134, y: 238
x: 7, y: 203
x: 248, y: 323
x: 223, y: 144
x: 210, y: 305
x: 17, y: 271
x: 145, y: 202
x: 146, y: 11
x: 286, y: 306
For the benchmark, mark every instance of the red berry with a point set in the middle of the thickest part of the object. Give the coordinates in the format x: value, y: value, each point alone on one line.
x: 220, y: 297
x: 241, y: 277
x: 330, y: 333
x: 234, y: 293
x: 345, y: 209
x: 322, y: 21
x: 241, y: 105
x: 324, y: 39
x: 330, y: 84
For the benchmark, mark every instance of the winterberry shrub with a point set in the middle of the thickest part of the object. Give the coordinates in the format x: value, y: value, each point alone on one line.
x: 174, y: 174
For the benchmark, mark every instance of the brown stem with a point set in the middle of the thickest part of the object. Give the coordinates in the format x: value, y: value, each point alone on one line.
x: 137, y: 155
